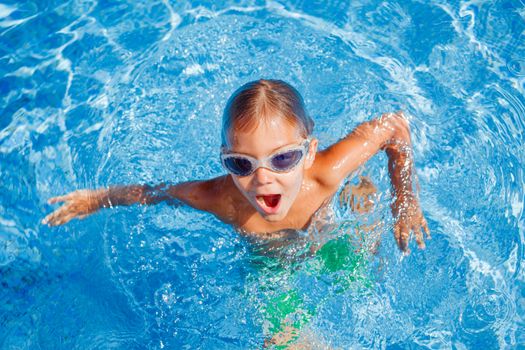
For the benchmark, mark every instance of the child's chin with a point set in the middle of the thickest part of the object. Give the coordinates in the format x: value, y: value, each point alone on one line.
x: 273, y: 217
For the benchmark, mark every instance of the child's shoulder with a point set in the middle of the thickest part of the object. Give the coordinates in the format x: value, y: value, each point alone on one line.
x: 213, y: 191
x: 201, y: 194
x: 218, y: 196
x: 328, y: 169
x: 333, y: 164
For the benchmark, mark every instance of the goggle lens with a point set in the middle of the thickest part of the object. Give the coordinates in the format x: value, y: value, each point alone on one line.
x: 238, y: 165
x: 286, y: 160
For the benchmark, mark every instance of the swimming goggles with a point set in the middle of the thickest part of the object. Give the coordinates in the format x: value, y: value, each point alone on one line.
x: 282, y: 161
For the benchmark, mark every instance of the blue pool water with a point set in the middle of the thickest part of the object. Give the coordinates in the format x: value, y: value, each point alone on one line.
x: 95, y: 93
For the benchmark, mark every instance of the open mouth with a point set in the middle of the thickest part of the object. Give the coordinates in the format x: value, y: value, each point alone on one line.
x: 269, y: 203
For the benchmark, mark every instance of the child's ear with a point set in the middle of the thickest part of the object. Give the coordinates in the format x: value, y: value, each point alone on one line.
x: 310, y: 157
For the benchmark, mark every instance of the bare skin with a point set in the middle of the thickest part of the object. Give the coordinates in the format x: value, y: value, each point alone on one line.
x: 303, y: 190
x: 360, y: 197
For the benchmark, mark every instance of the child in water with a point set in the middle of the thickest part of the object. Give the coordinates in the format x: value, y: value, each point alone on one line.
x: 277, y: 180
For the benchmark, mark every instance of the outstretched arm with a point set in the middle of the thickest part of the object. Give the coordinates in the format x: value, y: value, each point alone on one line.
x: 81, y: 203
x: 391, y: 133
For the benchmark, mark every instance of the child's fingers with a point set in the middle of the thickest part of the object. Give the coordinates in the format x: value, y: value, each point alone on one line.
x: 56, y: 217
x: 405, y: 234
x: 45, y: 220
x: 60, y: 220
x: 401, y: 233
x: 66, y: 218
x: 53, y: 219
x: 425, y: 227
x: 49, y: 219
x: 343, y: 196
x: 419, y: 237
x: 58, y: 199
x: 57, y: 221
x: 397, y: 236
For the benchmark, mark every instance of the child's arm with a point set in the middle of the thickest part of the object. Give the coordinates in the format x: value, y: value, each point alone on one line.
x: 405, y: 207
x: 81, y: 203
x: 391, y: 133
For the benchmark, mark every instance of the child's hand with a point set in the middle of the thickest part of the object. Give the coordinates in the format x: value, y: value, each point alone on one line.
x: 362, y: 199
x: 78, y: 204
x: 409, y: 218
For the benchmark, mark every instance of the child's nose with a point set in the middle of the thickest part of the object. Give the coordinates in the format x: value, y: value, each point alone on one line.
x: 263, y: 176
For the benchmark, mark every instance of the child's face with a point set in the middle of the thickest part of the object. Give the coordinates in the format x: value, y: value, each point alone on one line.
x: 270, y: 193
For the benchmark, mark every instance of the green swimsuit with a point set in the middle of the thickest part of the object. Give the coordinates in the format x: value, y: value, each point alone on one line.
x: 278, y: 263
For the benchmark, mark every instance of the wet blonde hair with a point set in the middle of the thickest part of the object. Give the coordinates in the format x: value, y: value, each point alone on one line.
x: 259, y: 100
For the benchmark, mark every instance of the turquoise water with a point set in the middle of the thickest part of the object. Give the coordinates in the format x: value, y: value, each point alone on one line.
x: 95, y: 93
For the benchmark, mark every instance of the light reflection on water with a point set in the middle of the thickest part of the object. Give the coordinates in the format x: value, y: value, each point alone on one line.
x: 93, y: 94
